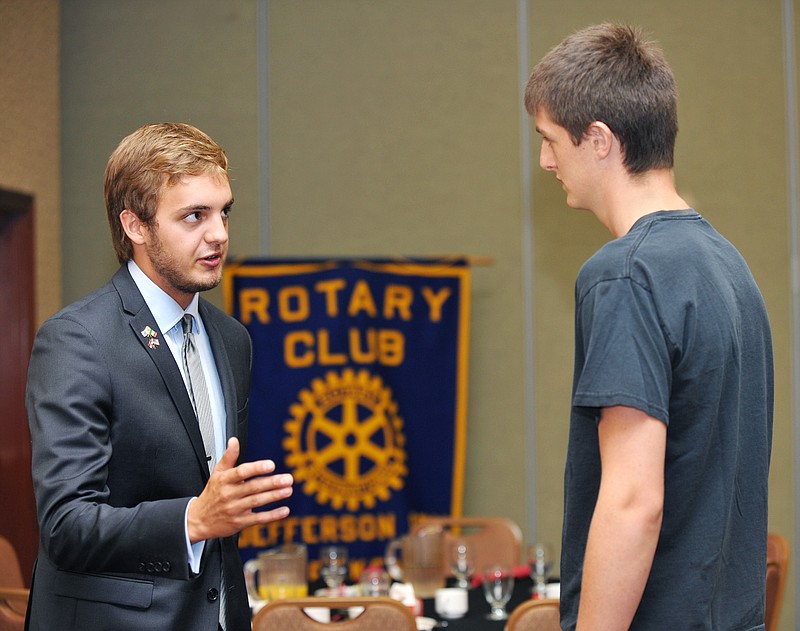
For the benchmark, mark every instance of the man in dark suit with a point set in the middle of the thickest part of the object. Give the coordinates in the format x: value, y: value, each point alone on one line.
x: 139, y: 491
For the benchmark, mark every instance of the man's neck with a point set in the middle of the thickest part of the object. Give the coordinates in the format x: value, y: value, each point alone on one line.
x: 629, y: 198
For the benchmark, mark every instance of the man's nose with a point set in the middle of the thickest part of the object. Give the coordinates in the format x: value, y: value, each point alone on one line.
x: 546, y: 159
x: 217, y: 231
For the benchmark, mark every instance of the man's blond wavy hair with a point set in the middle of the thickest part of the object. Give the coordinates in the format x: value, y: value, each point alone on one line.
x: 146, y: 161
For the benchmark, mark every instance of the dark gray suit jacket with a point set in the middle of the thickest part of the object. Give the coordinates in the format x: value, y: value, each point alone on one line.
x: 117, y: 454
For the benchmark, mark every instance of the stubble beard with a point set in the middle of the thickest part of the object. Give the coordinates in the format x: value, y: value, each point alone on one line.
x: 169, y: 269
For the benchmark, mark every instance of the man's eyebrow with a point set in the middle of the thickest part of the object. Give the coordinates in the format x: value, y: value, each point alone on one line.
x: 194, y: 207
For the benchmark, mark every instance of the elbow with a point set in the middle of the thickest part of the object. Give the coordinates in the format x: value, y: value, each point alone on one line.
x: 645, y: 512
x: 637, y: 513
x: 652, y: 516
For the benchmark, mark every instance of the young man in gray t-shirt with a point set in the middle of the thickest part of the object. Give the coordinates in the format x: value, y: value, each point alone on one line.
x: 665, y: 521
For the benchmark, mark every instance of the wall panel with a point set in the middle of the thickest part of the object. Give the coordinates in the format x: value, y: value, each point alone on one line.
x: 394, y: 131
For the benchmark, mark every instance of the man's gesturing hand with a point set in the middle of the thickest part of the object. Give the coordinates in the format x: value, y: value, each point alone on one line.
x: 226, y: 506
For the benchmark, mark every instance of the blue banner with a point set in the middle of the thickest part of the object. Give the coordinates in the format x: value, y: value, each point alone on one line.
x: 359, y: 389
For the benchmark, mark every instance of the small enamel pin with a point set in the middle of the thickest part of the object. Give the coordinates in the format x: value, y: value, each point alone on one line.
x: 152, y: 337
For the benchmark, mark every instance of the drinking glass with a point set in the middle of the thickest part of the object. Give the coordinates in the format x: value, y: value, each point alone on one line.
x: 333, y: 566
x: 374, y: 581
x: 540, y: 559
x: 462, y: 562
x: 498, y: 584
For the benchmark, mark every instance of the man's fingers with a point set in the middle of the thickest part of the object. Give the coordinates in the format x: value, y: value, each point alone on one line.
x: 273, y: 488
x: 261, y: 517
x: 255, y: 469
x: 262, y: 498
x: 231, y: 455
x: 265, y: 517
x: 261, y: 491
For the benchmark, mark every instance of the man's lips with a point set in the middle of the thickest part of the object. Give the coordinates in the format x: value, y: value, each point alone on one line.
x: 211, y: 259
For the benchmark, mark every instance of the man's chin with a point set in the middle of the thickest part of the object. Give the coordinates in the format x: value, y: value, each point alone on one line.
x: 211, y: 283
x: 201, y: 284
x: 575, y: 205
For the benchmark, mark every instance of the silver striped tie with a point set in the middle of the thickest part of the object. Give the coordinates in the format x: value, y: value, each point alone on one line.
x: 198, y: 391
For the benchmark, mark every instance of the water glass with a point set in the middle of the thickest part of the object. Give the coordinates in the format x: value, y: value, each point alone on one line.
x: 540, y: 560
x: 462, y: 562
x: 498, y: 585
x: 374, y: 581
x: 333, y: 566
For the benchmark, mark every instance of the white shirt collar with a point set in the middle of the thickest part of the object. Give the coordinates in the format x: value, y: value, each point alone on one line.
x: 165, y: 310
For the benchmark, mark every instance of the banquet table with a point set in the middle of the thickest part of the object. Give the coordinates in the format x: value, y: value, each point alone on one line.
x: 476, y: 620
x: 476, y: 617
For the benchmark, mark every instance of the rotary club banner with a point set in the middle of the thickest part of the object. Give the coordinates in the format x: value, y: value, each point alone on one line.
x: 359, y: 389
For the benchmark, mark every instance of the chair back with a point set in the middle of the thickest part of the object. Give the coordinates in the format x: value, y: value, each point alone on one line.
x: 11, y: 620
x: 13, y: 594
x: 536, y: 615
x: 379, y: 612
x: 777, y: 573
x: 495, y: 540
x: 10, y: 573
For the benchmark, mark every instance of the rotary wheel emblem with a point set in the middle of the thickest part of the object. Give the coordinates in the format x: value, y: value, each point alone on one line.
x: 345, y: 441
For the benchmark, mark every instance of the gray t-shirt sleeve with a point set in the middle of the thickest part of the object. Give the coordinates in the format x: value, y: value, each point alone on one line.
x: 624, y: 353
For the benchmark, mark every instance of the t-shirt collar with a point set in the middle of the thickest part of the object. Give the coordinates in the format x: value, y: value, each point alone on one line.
x: 663, y: 214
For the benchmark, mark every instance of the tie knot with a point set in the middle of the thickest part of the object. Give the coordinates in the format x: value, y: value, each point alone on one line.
x: 186, y: 323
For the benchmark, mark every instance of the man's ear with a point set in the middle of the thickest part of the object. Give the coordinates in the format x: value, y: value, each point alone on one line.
x: 133, y: 226
x: 601, y: 138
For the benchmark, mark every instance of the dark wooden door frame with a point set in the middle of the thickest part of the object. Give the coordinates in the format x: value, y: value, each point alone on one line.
x: 17, y: 321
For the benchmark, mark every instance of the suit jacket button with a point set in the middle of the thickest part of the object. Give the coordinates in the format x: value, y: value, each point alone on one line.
x: 212, y: 594
x: 150, y: 567
x: 142, y: 567
x: 166, y: 566
x: 159, y: 567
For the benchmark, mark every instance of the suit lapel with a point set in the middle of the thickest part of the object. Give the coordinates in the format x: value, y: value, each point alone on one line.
x: 144, y: 328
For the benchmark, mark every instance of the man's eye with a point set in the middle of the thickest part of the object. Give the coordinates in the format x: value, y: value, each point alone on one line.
x: 226, y: 212
x: 193, y: 217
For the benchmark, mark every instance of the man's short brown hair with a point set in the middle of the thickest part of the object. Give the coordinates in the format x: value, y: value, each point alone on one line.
x: 612, y: 74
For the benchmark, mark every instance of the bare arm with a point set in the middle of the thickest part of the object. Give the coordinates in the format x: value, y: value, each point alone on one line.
x: 626, y: 521
x: 226, y: 505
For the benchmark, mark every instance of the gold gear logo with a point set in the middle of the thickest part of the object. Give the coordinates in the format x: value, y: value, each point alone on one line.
x: 345, y: 440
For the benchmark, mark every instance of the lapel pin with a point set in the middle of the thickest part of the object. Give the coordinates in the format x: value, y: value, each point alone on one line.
x: 152, y: 337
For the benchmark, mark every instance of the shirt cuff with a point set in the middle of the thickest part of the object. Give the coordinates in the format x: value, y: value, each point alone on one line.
x: 194, y: 550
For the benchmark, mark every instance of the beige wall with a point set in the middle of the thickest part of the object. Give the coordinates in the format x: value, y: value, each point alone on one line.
x: 131, y: 62
x: 29, y: 130
x: 394, y: 129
